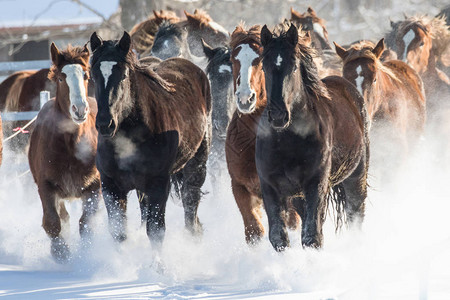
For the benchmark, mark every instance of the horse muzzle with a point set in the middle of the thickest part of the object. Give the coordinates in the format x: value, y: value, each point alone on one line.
x: 106, y: 129
x: 79, y: 113
x: 247, y: 103
x: 279, y: 119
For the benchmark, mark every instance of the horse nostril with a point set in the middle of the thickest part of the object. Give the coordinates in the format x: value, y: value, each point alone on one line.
x: 74, y: 109
x: 252, y: 98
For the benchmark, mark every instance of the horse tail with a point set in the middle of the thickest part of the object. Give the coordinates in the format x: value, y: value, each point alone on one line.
x: 337, y: 199
x: 176, y: 181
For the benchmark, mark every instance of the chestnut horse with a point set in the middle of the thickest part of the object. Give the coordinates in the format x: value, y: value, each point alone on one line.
x: 250, y: 92
x: 309, y: 21
x: 154, y: 123
x: 420, y: 41
x: 393, y: 91
x: 20, y: 92
x: 143, y: 33
x: 312, y: 143
x: 63, y: 146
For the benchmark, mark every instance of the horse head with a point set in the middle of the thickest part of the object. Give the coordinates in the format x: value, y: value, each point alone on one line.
x: 219, y: 71
x: 361, y: 63
x: 286, y: 60
x: 111, y: 65
x: 248, y: 77
x: 170, y: 41
x: 70, y: 71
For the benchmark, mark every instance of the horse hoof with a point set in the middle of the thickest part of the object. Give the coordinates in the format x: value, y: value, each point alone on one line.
x: 311, y: 242
x: 60, y: 251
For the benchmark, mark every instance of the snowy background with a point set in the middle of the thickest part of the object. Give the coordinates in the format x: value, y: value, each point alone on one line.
x: 401, y: 253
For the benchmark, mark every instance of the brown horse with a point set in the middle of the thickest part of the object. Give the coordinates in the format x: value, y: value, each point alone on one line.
x: 20, y: 92
x: 392, y: 90
x: 63, y: 146
x: 421, y: 41
x: 249, y: 86
x: 309, y: 21
x: 312, y: 140
x: 143, y: 33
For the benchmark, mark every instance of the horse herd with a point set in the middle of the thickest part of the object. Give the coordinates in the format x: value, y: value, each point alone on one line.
x: 291, y: 116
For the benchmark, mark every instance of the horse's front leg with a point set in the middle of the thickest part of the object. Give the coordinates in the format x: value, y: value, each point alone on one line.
x: 315, y: 209
x: 116, y: 206
x: 51, y: 222
x: 90, y: 200
x: 275, y: 207
x: 156, y: 199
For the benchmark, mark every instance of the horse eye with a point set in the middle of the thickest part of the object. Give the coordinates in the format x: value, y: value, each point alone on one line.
x: 421, y: 44
x: 60, y: 79
x: 374, y: 80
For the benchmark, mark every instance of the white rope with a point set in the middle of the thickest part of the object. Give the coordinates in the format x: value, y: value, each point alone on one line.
x: 19, y: 131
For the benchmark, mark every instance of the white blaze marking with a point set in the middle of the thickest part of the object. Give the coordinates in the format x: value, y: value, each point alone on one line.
x: 279, y: 60
x: 245, y: 56
x: 224, y: 68
x: 106, y: 69
x: 166, y: 43
x: 359, y: 80
x: 319, y: 29
x: 407, y: 39
x: 75, y: 81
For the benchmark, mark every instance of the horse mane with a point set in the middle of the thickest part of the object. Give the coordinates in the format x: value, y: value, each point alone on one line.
x: 143, y: 33
x: 240, y: 35
x: 199, y: 19
x: 313, y: 85
x: 72, y: 55
x: 363, y: 49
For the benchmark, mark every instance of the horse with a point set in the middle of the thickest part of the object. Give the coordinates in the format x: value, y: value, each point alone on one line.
x: 393, y: 91
x: 219, y: 72
x: 419, y: 41
x: 250, y: 94
x: 154, y: 126
x: 309, y: 21
x: 20, y: 92
x: 143, y: 33
x: 63, y: 146
x: 312, y: 143
x: 198, y: 26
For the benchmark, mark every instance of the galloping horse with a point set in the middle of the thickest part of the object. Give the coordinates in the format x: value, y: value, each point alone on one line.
x: 419, y: 42
x: 248, y: 81
x: 312, y: 140
x: 309, y: 21
x: 184, y: 38
x: 220, y: 77
x: 393, y: 91
x: 63, y: 146
x: 20, y: 92
x: 154, y: 124
x: 143, y: 33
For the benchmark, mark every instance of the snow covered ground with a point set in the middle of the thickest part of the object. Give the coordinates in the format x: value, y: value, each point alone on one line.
x: 401, y: 253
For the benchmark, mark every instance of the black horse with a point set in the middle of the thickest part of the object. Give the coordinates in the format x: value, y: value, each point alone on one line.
x: 220, y: 76
x: 154, y: 124
x: 312, y: 140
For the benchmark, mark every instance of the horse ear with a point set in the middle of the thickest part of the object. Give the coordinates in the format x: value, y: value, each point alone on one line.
x: 85, y: 53
x: 125, y: 42
x: 295, y: 14
x: 156, y: 14
x: 189, y: 17
x: 292, y: 35
x: 379, y: 48
x: 340, y: 51
x: 208, y: 50
x: 405, y: 15
x: 311, y: 11
x: 55, y: 54
x: 266, y: 36
x: 96, y: 41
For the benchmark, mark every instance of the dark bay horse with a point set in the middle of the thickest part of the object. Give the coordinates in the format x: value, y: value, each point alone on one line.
x: 250, y: 92
x: 393, y: 90
x: 143, y: 33
x: 63, y: 146
x: 312, y: 140
x: 420, y: 41
x: 310, y: 22
x: 154, y: 123
x: 184, y: 38
x: 220, y: 76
